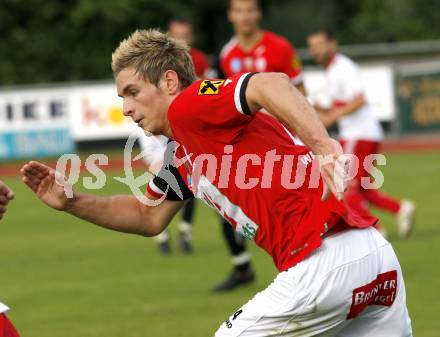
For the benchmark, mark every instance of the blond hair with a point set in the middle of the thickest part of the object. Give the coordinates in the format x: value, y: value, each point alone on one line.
x: 151, y: 53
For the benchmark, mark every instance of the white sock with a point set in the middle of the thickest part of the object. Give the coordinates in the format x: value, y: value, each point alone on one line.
x: 162, y: 237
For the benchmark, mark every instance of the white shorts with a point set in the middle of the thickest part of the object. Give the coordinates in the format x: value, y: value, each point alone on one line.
x: 350, y: 286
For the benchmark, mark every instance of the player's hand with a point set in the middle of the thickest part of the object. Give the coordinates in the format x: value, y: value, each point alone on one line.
x: 6, y: 195
x: 51, y: 187
x: 334, y: 170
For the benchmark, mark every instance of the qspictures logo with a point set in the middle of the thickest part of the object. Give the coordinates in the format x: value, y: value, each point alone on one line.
x: 296, y: 170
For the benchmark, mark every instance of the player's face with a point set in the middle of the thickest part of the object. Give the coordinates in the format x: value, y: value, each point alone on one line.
x: 146, y: 104
x: 245, y: 16
x: 181, y: 31
x: 321, y: 48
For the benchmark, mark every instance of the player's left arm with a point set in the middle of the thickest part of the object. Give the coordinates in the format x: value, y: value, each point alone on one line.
x: 278, y: 96
x: 350, y: 84
x: 331, y: 116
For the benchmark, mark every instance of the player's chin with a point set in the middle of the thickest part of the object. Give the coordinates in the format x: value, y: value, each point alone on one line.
x: 143, y: 125
x: 247, y: 29
x: 148, y: 128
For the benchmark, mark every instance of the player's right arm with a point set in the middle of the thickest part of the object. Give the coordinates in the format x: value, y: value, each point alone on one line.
x: 276, y: 94
x: 123, y: 213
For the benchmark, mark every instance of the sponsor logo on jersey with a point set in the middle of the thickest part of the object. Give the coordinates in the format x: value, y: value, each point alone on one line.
x: 261, y: 64
x: 235, y: 65
x: 381, y: 291
x: 209, y: 87
x: 296, y: 62
x: 248, y: 62
x: 249, y: 231
x: 211, y: 195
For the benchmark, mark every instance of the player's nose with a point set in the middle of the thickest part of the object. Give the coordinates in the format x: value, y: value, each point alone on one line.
x: 127, y: 109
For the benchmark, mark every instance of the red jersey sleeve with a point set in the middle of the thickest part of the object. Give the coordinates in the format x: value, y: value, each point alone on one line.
x: 292, y: 65
x: 212, y: 106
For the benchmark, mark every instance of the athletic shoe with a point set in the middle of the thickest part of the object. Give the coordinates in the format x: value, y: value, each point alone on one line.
x: 405, y: 218
x: 163, y: 242
x: 235, y: 279
x: 164, y: 247
x: 185, y: 242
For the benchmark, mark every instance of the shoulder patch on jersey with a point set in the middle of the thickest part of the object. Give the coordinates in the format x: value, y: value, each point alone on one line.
x: 296, y: 62
x: 210, y: 87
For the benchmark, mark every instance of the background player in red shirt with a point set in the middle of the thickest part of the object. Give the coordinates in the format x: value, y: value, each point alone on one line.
x: 179, y: 28
x: 349, y: 281
x: 252, y: 49
x: 6, y: 327
x: 360, y: 133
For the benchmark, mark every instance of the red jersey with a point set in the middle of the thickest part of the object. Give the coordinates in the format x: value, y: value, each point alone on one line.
x: 225, y: 151
x: 201, y: 63
x: 273, y: 53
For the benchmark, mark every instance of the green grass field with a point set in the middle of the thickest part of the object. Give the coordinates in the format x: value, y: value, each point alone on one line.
x: 65, y: 277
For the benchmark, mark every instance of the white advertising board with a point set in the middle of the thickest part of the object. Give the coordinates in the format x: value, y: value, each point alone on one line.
x: 34, y: 123
x: 35, y: 108
x: 379, y: 87
x: 96, y: 113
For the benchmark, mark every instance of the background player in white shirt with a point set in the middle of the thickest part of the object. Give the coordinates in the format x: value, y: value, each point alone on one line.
x: 6, y: 327
x: 360, y: 133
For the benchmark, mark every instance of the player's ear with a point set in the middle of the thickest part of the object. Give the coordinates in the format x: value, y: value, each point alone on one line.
x: 171, y: 82
x: 229, y: 15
